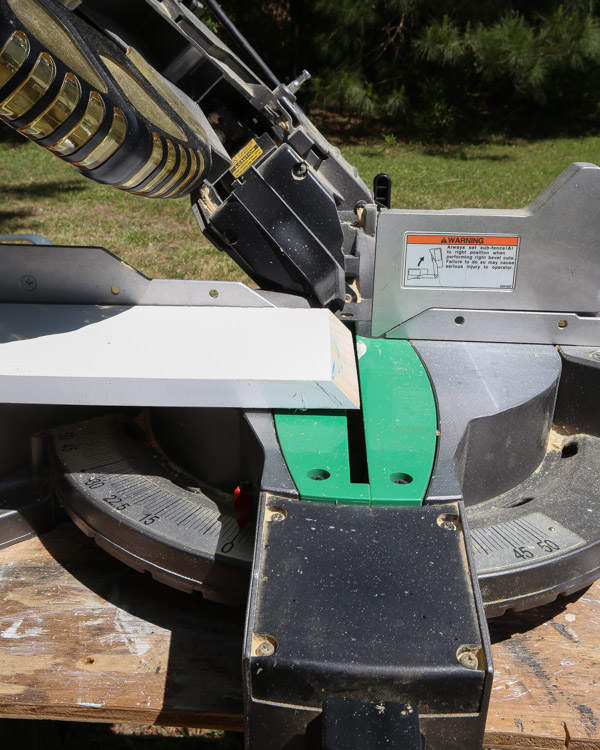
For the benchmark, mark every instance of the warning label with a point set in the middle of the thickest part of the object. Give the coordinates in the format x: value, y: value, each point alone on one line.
x: 453, y: 261
x: 245, y: 158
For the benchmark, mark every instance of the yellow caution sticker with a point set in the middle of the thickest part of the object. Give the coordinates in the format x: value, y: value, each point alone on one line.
x: 245, y: 158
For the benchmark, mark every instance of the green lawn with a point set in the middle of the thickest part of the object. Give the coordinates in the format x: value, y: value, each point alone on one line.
x: 489, y: 175
x: 42, y: 194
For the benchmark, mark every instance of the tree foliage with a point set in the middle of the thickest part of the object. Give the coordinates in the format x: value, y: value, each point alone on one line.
x: 432, y: 68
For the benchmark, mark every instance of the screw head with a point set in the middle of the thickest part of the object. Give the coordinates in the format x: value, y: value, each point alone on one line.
x: 300, y: 170
x: 448, y: 522
x: 468, y: 659
x: 28, y: 282
x: 265, y: 648
x: 277, y: 516
x: 230, y: 236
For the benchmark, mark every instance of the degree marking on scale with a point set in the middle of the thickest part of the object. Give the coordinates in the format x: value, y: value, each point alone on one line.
x: 147, y: 499
x: 164, y: 510
x: 216, y: 521
x: 136, y: 491
x: 195, y: 512
x: 237, y: 534
x: 477, y: 543
x: 140, y: 492
x: 528, y: 523
x: 199, y: 518
x: 502, y: 536
x: 173, y: 507
x: 120, y: 463
x: 123, y: 484
x: 155, y: 500
x: 124, y: 487
x: 492, y: 542
x: 505, y: 533
x: 521, y: 534
x: 116, y: 470
x: 532, y: 531
x: 97, y: 454
x: 189, y: 513
x: 199, y: 522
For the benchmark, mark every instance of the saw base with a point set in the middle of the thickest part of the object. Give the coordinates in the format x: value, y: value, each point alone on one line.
x: 529, y: 545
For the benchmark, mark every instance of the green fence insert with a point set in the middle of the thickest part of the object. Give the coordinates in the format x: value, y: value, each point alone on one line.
x: 315, y: 447
x: 400, y: 420
x: 400, y: 431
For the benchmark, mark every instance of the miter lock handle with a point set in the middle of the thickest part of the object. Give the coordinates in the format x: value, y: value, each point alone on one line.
x: 382, y: 190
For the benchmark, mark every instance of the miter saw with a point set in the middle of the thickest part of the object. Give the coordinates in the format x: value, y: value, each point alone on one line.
x: 209, y: 433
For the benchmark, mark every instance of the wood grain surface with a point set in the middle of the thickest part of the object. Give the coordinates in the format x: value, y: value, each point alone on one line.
x: 546, y: 690
x: 83, y: 637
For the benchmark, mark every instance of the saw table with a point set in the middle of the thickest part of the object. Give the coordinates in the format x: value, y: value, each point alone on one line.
x: 395, y: 438
x: 84, y: 639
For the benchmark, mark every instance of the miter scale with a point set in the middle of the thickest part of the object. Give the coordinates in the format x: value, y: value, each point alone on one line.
x: 408, y: 403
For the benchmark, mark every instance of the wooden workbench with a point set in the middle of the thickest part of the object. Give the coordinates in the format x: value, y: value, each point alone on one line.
x: 83, y: 637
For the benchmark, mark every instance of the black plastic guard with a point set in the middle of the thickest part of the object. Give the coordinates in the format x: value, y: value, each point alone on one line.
x: 373, y: 604
x: 283, y: 229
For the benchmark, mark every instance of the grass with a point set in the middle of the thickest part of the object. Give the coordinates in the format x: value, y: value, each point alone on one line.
x: 487, y: 175
x: 42, y: 194
x: 161, y: 238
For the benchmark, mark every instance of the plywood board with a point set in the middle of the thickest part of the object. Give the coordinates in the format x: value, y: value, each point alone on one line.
x: 546, y: 690
x: 83, y: 637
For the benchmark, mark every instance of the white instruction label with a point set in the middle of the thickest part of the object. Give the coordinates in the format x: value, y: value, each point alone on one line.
x: 454, y: 261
